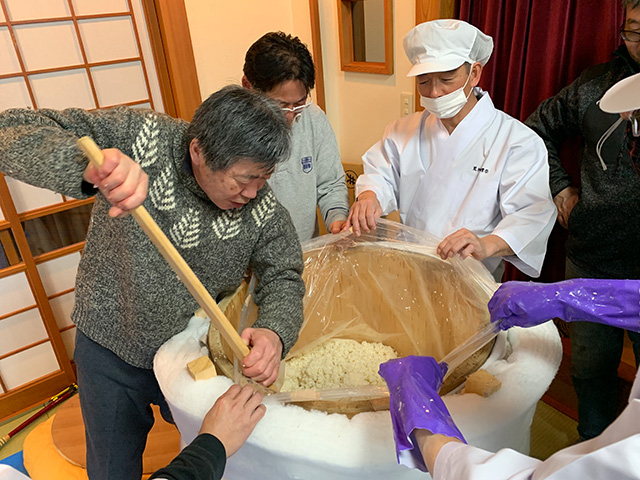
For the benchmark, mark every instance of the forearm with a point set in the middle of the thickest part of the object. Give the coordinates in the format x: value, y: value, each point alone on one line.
x: 282, y: 312
x: 36, y: 150
x: 457, y: 461
x: 612, y: 302
x: 204, y: 458
x: 430, y: 445
x: 379, y: 164
x: 39, y: 147
x: 333, y: 201
x: 609, y: 302
x: 277, y: 263
x: 495, y: 246
x: 333, y: 196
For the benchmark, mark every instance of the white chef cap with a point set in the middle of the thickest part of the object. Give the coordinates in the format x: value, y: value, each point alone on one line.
x: 443, y: 45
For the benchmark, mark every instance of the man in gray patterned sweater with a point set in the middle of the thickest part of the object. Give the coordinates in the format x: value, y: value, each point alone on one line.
x: 203, y: 184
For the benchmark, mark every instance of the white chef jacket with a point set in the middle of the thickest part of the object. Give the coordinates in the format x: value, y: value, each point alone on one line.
x: 615, y: 454
x: 489, y: 176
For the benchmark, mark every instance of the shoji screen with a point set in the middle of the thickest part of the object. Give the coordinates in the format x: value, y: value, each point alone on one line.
x: 56, y: 54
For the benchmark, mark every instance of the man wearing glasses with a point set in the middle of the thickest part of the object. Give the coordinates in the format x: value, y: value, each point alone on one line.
x: 281, y: 66
x: 602, y: 215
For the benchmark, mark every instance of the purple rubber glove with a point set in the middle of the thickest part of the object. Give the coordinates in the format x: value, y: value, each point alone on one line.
x: 526, y: 304
x: 413, y: 384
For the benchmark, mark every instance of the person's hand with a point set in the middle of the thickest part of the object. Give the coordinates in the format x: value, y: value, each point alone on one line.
x: 234, y: 416
x: 414, y: 382
x: 121, y: 180
x: 336, y: 227
x: 565, y: 201
x: 364, y: 213
x: 263, y: 362
x: 466, y: 243
x: 527, y: 304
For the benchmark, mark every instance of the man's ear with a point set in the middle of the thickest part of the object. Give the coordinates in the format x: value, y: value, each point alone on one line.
x: 196, y: 152
x: 476, y: 73
x: 246, y: 83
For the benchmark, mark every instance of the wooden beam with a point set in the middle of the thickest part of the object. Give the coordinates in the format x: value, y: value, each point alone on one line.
x: 173, y: 52
x: 427, y: 10
x: 316, y: 50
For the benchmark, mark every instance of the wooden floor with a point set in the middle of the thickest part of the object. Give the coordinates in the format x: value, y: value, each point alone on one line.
x: 67, y: 433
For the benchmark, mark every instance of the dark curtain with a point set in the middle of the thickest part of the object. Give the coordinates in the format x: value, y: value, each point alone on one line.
x: 539, y: 47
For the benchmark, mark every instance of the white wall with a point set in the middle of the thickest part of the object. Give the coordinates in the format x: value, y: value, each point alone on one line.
x: 222, y: 31
x: 359, y: 105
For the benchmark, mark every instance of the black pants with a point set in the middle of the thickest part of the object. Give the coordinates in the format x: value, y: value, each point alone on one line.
x: 596, y: 351
x: 116, y: 400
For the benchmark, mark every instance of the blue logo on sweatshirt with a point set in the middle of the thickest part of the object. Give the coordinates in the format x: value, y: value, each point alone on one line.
x: 307, y: 164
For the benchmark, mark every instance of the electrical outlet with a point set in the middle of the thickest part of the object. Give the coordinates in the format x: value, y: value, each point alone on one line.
x: 406, y: 104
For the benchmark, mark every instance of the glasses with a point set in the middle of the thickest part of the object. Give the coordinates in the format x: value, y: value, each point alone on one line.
x: 296, y: 110
x: 630, y: 35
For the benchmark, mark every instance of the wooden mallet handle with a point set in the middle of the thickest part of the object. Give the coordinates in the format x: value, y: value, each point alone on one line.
x: 177, y: 263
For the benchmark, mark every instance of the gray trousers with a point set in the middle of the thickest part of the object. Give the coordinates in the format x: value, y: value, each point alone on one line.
x: 116, y: 399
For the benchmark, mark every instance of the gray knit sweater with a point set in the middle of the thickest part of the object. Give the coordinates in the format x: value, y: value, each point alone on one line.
x: 312, y: 174
x: 127, y: 297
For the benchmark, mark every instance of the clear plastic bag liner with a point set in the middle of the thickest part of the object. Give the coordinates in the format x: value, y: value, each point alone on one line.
x: 389, y: 286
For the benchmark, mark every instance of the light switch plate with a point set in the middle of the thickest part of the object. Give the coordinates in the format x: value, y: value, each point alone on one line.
x: 406, y: 104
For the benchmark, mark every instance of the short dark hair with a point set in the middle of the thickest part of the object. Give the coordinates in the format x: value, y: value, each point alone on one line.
x: 235, y: 124
x: 277, y: 57
x: 630, y: 4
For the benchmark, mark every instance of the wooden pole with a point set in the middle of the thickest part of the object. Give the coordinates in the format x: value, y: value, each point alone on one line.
x: 53, y: 402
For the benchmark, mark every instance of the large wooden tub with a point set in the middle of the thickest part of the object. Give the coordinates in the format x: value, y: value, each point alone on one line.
x: 386, y: 287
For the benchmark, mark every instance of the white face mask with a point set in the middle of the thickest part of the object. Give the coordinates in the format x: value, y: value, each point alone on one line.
x: 448, y: 105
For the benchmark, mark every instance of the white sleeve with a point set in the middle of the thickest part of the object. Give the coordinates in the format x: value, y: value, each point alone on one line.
x: 457, y: 461
x: 612, y: 455
x: 528, y: 211
x: 381, y: 173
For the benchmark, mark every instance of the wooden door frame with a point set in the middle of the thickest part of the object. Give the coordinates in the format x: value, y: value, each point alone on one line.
x: 35, y: 391
x: 427, y: 10
x: 175, y: 63
x: 316, y: 51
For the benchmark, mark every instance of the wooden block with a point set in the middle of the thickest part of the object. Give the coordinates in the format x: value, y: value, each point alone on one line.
x: 202, y: 368
x: 305, y: 395
x: 482, y: 383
